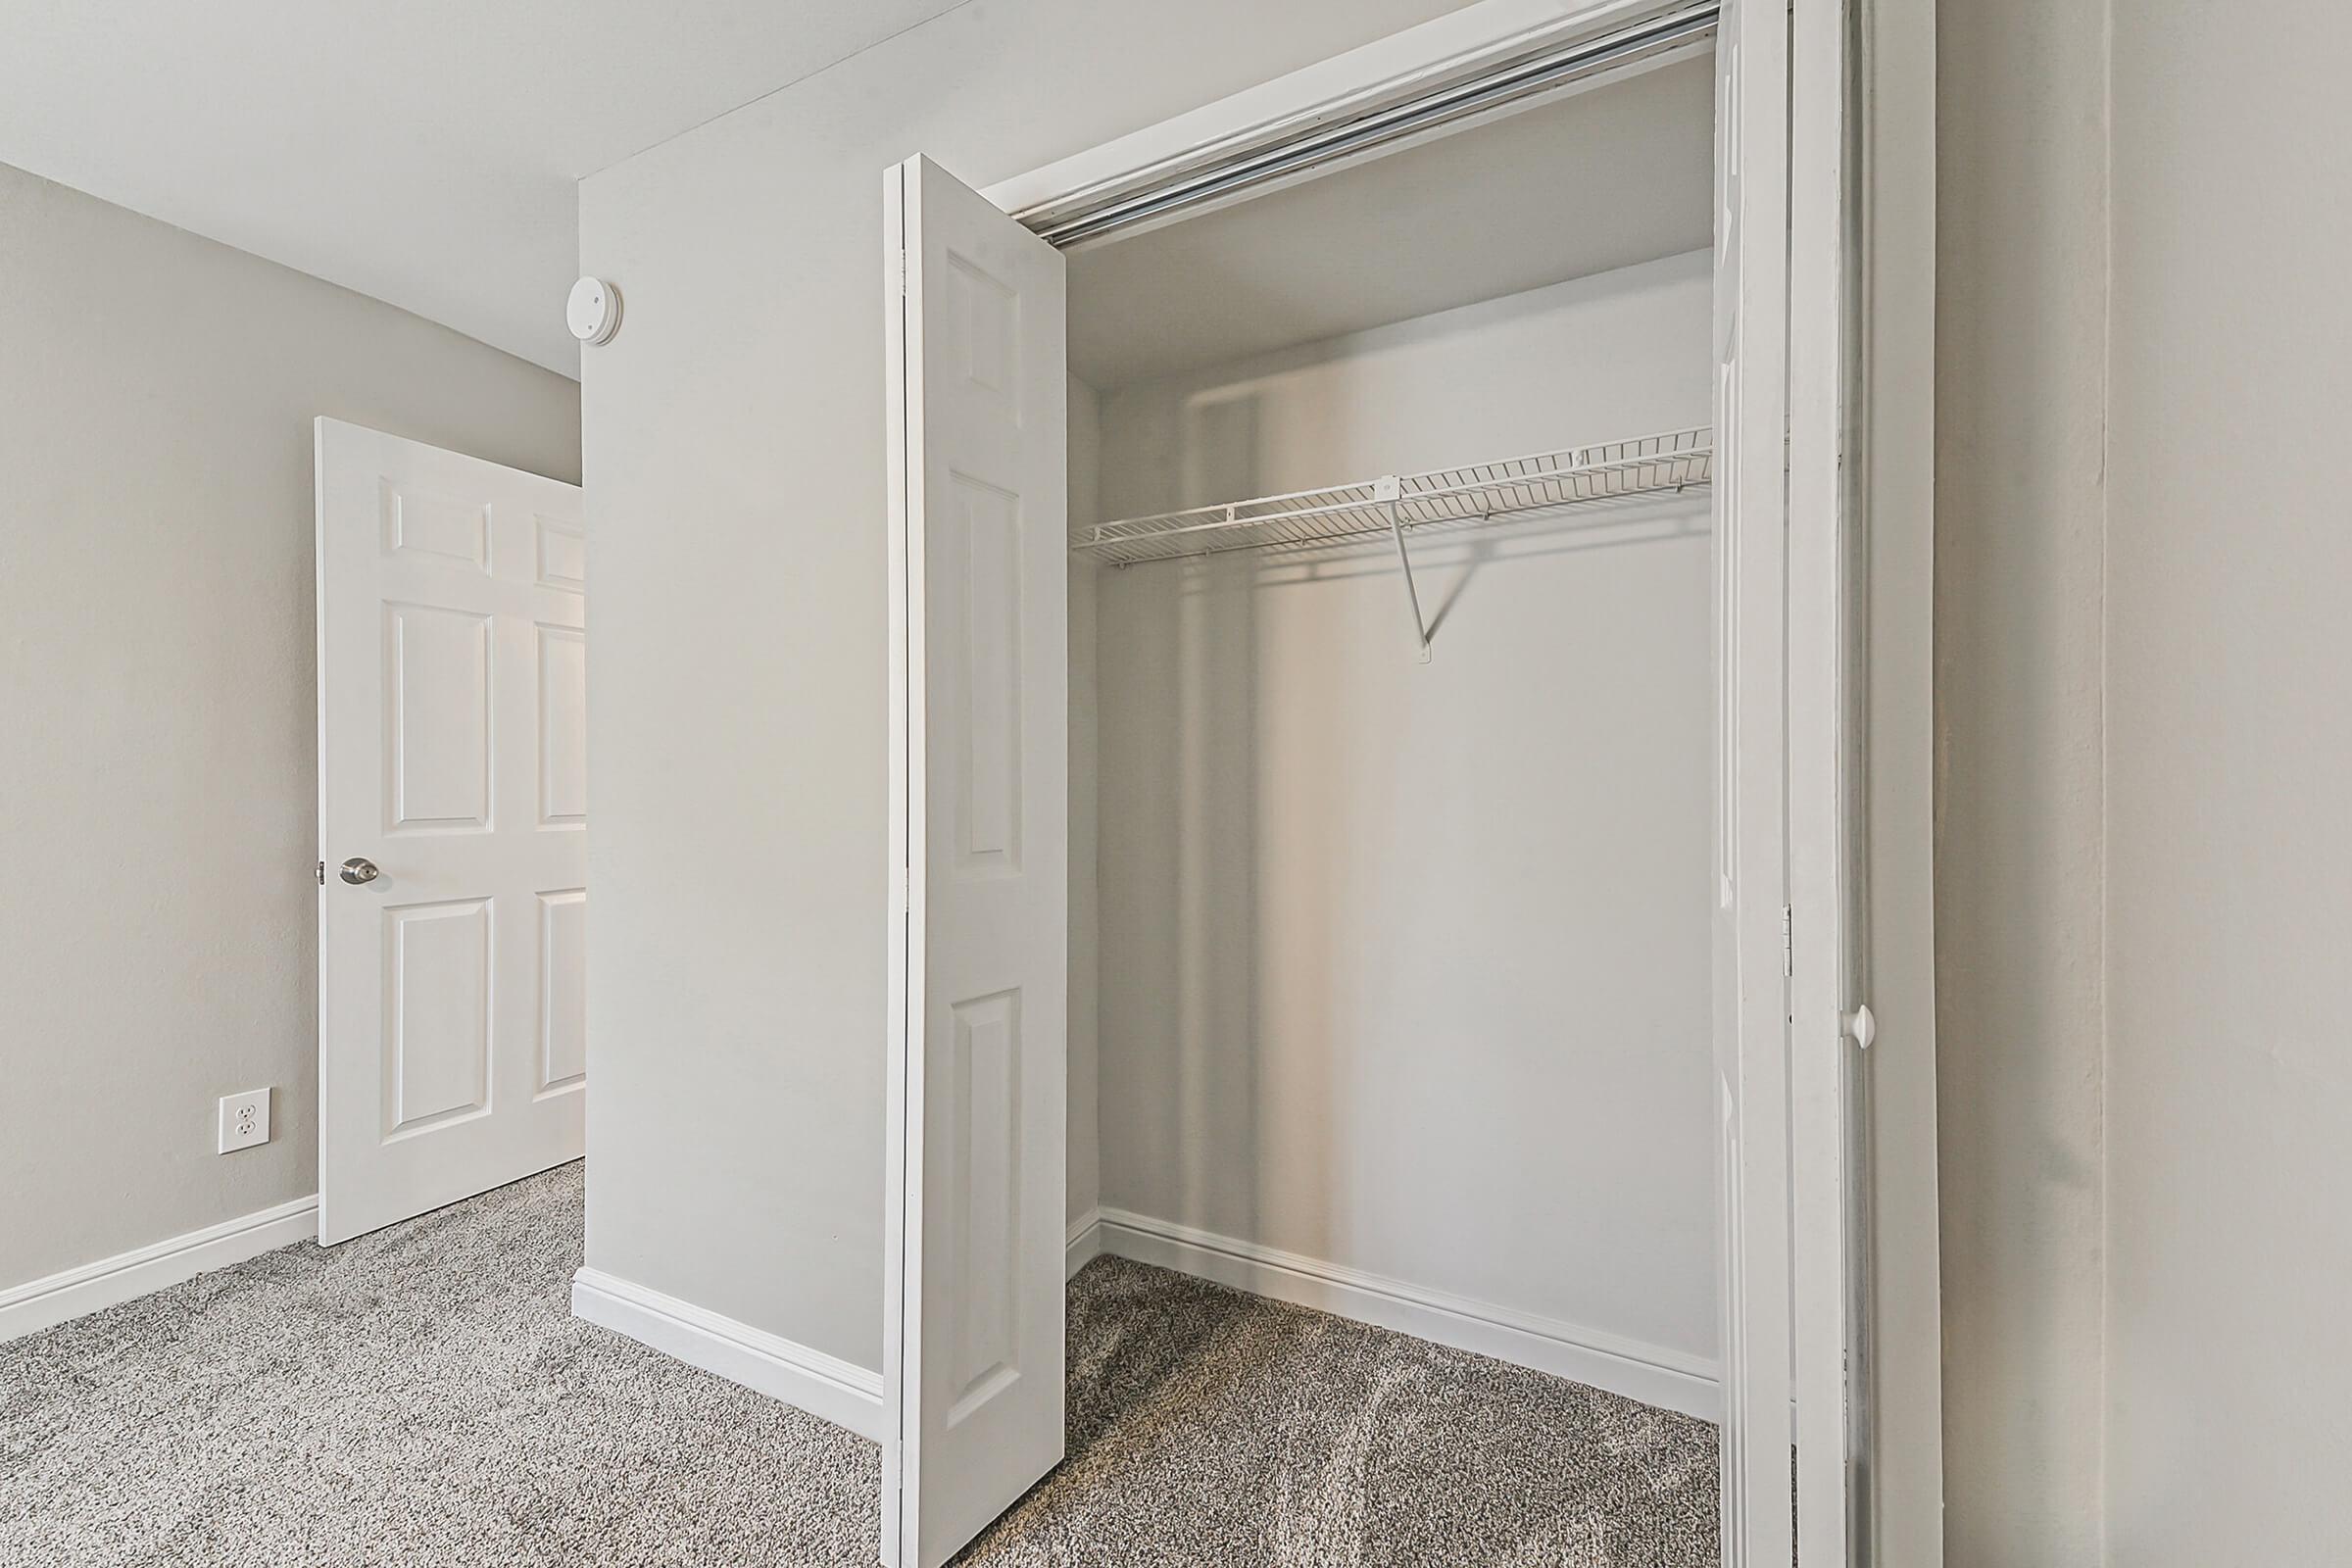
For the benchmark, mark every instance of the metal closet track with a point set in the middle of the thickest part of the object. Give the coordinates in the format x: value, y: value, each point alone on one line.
x: 1288, y: 151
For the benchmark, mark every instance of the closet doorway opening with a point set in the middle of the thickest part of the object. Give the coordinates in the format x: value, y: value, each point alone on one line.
x: 1343, y: 830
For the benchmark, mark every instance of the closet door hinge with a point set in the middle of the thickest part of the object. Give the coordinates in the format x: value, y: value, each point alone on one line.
x: 898, y: 270
x: 1788, y: 941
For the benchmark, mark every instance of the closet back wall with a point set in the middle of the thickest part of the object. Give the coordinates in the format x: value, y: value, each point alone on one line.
x: 1405, y: 968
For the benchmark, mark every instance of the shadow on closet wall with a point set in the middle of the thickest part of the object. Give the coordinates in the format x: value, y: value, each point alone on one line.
x: 1219, y: 1032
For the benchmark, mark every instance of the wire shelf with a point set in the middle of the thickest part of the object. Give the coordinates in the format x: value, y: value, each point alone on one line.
x: 1613, y: 470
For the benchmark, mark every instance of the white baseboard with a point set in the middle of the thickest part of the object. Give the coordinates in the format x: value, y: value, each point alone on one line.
x: 1085, y: 1242
x: 1653, y: 1374
x: 41, y: 1303
x: 825, y: 1386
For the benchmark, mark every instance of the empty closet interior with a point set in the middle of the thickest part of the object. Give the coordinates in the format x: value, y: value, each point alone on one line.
x: 1393, y: 753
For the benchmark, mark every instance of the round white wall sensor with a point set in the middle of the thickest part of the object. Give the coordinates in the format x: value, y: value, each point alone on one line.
x: 593, y: 311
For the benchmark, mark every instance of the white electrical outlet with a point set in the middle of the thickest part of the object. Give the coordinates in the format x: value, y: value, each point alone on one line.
x: 244, y: 1119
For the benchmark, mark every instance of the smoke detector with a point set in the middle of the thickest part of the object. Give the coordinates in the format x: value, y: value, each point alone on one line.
x: 593, y: 312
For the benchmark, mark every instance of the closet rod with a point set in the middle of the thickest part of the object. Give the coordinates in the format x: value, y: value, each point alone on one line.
x: 1397, y: 503
x: 1288, y: 153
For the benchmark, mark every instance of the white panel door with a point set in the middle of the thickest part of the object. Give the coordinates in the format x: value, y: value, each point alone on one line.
x: 453, y: 817
x: 972, y: 1348
x: 1752, y: 914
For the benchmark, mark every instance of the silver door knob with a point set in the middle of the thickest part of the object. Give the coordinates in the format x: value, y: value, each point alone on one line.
x: 358, y: 870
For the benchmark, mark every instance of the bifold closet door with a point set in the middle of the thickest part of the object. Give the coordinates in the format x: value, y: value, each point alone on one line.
x: 972, y: 1348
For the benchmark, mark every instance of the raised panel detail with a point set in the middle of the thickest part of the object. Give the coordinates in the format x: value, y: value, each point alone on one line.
x: 436, y: 720
x: 987, y: 317
x: 989, y: 784
x: 984, y: 1114
x: 417, y: 522
x: 437, y: 1000
x: 563, y: 728
x: 563, y: 989
x: 562, y: 555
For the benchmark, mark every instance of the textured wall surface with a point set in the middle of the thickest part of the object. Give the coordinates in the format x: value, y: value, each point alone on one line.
x: 2019, y: 512
x: 2229, y: 740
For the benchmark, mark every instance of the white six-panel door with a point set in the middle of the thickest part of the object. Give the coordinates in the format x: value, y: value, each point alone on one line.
x: 972, y: 1345
x: 453, y: 765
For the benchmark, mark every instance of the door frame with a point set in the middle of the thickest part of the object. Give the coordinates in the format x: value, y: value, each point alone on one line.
x: 1818, y: 938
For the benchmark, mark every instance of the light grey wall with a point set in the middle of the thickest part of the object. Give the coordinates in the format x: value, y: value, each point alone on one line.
x: 734, y: 439
x: 2018, y: 527
x: 1405, y: 963
x: 2140, y: 924
x: 2228, y: 738
x: 158, y: 797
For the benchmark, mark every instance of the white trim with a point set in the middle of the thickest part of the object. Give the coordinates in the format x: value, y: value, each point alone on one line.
x: 1460, y: 45
x: 56, y: 1299
x: 1821, y: 764
x: 825, y: 1386
x: 1899, y: 1376
x: 1651, y: 1373
x: 902, y: 1212
x: 1085, y: 1242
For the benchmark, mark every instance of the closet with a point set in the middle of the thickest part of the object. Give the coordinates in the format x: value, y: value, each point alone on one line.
x: 1393, y: 742
x: 1319, y: 859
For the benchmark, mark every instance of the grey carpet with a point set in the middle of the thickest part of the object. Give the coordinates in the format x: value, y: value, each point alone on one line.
x: 423, y: 1396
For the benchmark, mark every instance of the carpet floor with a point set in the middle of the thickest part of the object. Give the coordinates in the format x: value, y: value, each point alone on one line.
x: 423, y: 1396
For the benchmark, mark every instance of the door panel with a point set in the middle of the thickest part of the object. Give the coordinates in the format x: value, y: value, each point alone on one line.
x: 436, y: 1038
x: 451, y: 755
x: 563, y: 989
x: 973, y: 1342
x: 563, y: 726
x: 437, y: 676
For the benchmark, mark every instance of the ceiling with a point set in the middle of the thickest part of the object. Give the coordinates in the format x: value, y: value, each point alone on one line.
x: 1608, y: 177
x: 423, y: 152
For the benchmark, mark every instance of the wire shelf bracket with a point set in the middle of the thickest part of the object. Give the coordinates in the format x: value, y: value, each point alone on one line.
x: 1391, y: 489
x: 1398, y: 505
